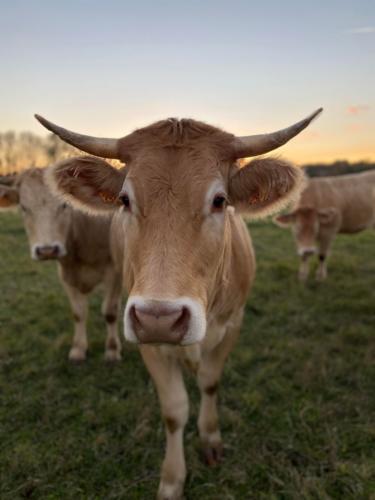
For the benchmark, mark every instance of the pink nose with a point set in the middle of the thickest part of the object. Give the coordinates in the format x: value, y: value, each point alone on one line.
x: 161, y: 324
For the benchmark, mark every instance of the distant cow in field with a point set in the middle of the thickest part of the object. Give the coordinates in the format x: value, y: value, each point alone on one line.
x: 328, y: 206
x: 186, y: 256
x: 80, y: 244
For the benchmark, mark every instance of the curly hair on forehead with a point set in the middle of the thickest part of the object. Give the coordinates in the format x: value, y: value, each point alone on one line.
x: 174, y: 132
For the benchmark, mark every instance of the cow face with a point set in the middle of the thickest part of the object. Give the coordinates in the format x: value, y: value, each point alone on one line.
x: 177, y: 194
x: 307, y: 224
x: 46, y: 218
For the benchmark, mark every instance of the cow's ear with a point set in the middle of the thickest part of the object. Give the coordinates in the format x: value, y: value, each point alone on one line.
x: 8, y: 196
x: 265, y: 186
x: 86, y: 182
x: 328, y: 215
x: 285, y: 220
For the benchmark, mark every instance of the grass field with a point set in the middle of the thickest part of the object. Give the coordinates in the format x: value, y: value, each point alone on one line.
x: 297, y: 396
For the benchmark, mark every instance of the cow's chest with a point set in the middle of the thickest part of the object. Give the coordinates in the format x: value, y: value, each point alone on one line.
x: 82, y: 276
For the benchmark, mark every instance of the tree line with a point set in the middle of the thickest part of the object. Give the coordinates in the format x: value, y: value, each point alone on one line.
x: 25, y: 149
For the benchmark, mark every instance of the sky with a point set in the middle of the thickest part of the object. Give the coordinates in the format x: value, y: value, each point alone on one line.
x: 107, y: 67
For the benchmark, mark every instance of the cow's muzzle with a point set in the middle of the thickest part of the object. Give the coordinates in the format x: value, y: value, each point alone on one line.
x: 150, y: 321
x: 47, y: 252
x: 306, y: 252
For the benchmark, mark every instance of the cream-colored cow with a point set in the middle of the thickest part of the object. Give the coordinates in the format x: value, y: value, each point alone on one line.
x: 184, y: 252
x: 80, y: 244
x: 328, y: 206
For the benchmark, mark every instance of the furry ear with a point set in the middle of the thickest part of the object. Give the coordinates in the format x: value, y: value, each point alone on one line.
x: 285, y: 220
x: 8, y: 196
x: 327, y: 215
x: 265, y: 186
x: 86, y: 182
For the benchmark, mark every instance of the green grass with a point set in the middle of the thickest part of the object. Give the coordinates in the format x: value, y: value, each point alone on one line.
x: 297, y: 396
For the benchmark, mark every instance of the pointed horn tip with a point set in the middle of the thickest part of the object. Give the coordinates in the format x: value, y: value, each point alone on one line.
x: 316, y: 113
x: 43, y: 121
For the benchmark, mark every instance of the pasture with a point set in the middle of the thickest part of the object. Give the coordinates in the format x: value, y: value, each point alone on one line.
x: 297, y: 397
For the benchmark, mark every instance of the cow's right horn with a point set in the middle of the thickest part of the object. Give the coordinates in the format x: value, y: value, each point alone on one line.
x: 98, y: 146
x: 253, y: 145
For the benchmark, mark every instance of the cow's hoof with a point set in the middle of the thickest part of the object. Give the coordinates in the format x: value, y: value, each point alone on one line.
x: 168, y: 491
x: 111, y: 355
x: 213, y: 453
x: 77, y: 355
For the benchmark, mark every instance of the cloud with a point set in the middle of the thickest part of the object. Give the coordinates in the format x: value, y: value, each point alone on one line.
x: 357, y: 109
x: 363, y: 30
x: 355, y: 127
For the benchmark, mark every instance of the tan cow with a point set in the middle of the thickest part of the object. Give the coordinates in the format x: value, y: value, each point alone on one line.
x: 186, y: 255
x: 328, y: 206
x: 80, y: 244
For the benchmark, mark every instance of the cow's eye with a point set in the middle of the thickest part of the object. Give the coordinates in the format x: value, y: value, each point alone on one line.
x: 24, y: 209
x: 218, y: 203
x: 63, y: 206
x: 125, y: 201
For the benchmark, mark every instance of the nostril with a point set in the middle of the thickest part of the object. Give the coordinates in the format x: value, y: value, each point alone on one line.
x: 47, y: 251
x: 181, y: 325
x: 133, y: 314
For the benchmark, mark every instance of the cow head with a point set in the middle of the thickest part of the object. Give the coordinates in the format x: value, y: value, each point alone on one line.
x: 46, y: 217
x: 307, y: 223
x: 177, y: 194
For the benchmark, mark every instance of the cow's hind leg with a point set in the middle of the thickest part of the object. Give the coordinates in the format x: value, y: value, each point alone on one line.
x: 110, y: 311
x: 209, y: 374
x: 78, y: 303
x: 167, y: 376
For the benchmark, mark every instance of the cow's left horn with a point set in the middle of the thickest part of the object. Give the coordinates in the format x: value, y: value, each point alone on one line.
x: 98, y: 146
x: 253, y: 145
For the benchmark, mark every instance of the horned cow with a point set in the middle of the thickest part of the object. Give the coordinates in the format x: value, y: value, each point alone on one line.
x: 185, y: 255
x: 80, y: 244
x: 328, y: 206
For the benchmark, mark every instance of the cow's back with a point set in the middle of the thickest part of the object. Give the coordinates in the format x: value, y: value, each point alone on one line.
x: 352, y: 195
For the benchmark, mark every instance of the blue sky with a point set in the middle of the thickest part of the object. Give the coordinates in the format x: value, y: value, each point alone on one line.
x: 108, y: 67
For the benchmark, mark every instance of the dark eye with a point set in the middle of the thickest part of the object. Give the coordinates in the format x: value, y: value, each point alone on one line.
x: 125, y: 200
x: 24, y: 209
x: 63, y: 206
x: 218, y: 202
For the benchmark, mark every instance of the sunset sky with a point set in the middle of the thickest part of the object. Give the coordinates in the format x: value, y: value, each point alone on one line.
x: 107, y: 67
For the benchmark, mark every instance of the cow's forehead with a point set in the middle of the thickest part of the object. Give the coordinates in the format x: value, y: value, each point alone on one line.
x: 306, y: 215
x: 34, y: 190
x: 177, y: 165
x: 175, y: 174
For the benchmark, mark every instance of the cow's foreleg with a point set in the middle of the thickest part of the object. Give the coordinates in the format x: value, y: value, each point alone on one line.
x: 209, y: 374
x: 324, y: 247
x: 167, y: 376
x: 78, y: 303
x: 110, y: 311
x: 304, y: 268
x: 321, y: 272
